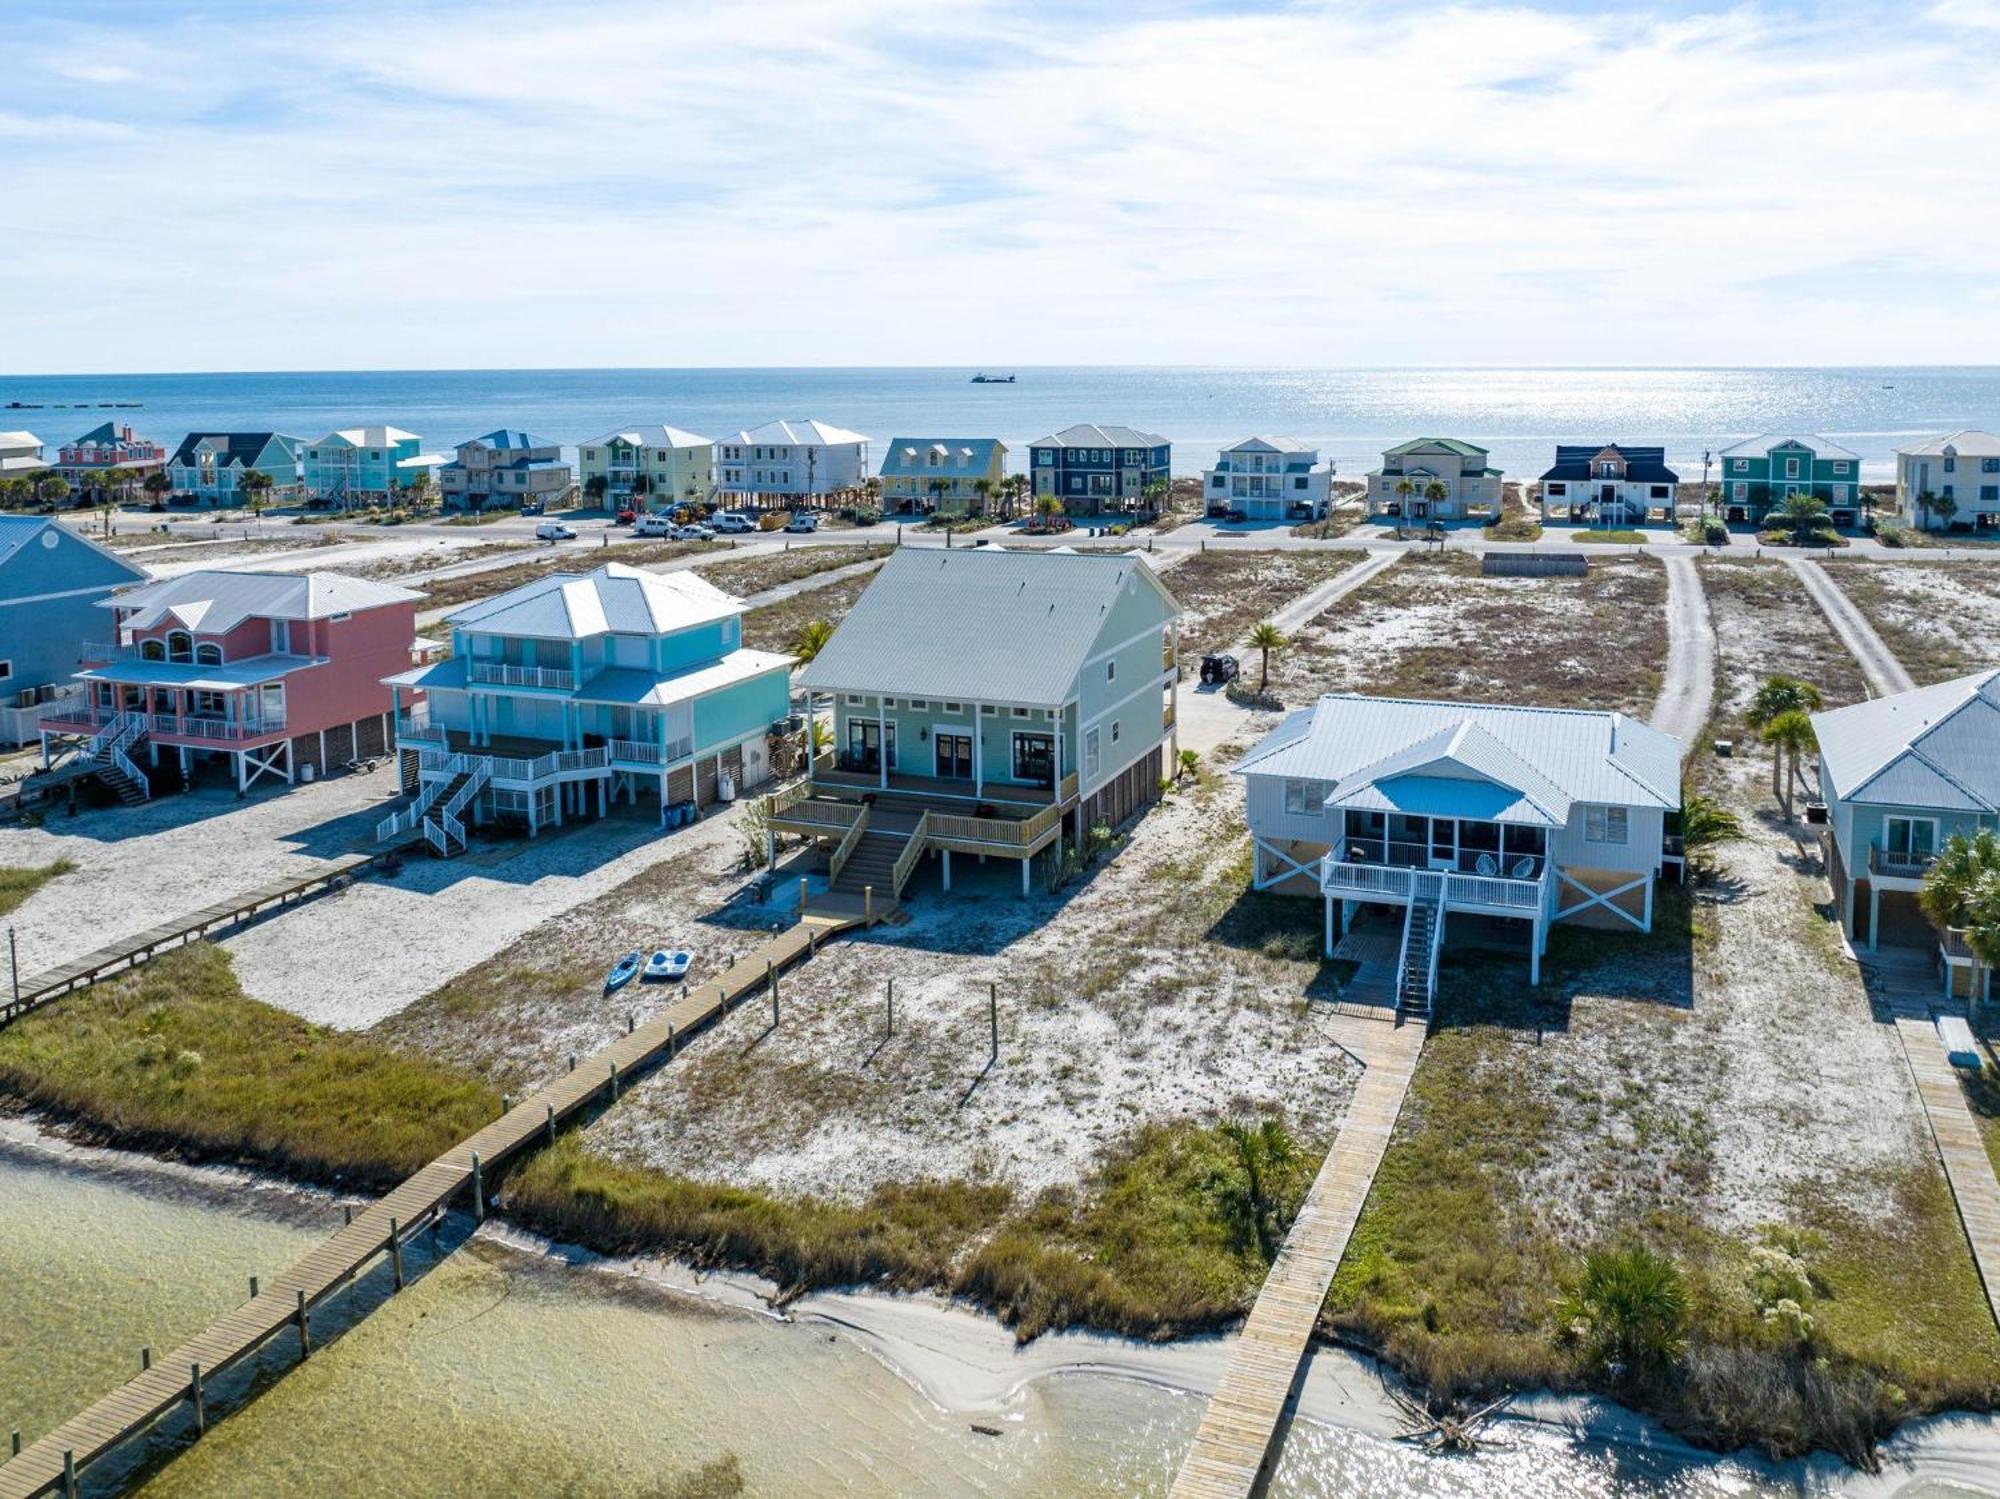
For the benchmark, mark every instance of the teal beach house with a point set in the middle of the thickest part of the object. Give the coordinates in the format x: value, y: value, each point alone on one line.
x: 1760, y: 474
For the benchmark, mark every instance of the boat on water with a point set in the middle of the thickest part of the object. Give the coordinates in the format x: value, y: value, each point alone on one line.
x: 622, y: 972
x: 985, y: 379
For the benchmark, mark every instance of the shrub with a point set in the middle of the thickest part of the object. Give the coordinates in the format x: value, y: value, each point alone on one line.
x: 1628, y: 1309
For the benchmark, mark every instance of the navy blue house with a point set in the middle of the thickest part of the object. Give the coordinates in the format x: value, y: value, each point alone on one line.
x: 1100, y: 470
x: 51, y: 582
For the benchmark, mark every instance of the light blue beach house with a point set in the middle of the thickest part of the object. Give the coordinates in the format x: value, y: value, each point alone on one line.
x: 361, y: 464
x: 1901, y: 774
x: 208, y: 466
x: 570, y: 691
x: 985, y: 702
x: 51, y: 583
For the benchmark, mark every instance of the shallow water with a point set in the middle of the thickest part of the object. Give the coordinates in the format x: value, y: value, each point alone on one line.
x: 506, y: 1372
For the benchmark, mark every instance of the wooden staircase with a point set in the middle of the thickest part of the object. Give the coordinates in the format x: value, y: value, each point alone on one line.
x: 107, y: 755
x: 873, y: 863
x: 1416, y: 969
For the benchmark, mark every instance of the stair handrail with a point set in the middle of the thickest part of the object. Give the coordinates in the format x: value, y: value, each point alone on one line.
x: 849, y: 841
x: 452, y: 766
x: 478, y: 774
x: 124, y: 763
x: 906, y: 861
x: 1437, y: 947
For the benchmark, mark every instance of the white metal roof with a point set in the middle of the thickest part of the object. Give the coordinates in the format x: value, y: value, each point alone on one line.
x: 619, y: 684
x: 1757, y: 447
x: 980, y: 623
x: 1938, y: 746
x: 614, y: 599
x: 214, y: 601
x: 1968, y: 442
x: 1271, y: 445
x: 1487, y: 761
x: 370, y: 437
x: 651, y: 435
x: 20, y: 440
x: 804, y: 433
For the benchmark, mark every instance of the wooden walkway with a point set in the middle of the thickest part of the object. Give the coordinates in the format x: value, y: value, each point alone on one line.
x: 285, y: 1302
x: 1967, y: 1166
x: 1232, y: 1448
x: 130, y: 952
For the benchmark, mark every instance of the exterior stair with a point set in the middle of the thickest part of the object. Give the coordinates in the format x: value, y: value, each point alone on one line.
x: 1416, y: 968
x: 444, y: 824
x: 873, y: 862
x: 107, y: 753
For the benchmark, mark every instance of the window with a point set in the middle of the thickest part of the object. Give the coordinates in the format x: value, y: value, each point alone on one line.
x: 1989, y: 465
x: 1659, y: 491
x: 988, y: 709
x: 180, y: 646
x: 1840, y: 465
x: 954, y: 707
x: 1989, y: 493
x: 1951, y: 463
x: 1946, y: 490
x: 208, y: 653
x: 1300, y: 482
x: 1114, y: 731
x: 1558, y: 488
x: 1220, y: 481
x: 1739, y: 465
x: 6, y: 670
x: 1839, y: 492
x: 1911, y: 838
x: 918, y: 702
x: 1791, y: 468
x: 1045, y: 456
x: 855, y: 697
x: 1606, y: 824
x: 1739, y: 490
x: 1305, y: 798
x: 1020, y: 712
x: 1111, y: 671
x: 1093, y: 758
x: 152, y: 650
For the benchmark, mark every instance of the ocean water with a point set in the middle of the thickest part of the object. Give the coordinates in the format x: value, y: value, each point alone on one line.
x: 1520, y: 414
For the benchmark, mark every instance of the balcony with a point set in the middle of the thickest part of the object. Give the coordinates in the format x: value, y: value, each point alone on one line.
x: 500, y: 674
x: 1369, y: 869
x: 1905, y: 868
x: 650, y: 752
x: 214, y: 730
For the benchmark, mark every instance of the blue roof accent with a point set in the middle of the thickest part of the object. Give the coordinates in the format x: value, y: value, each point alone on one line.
x: 507, y: 437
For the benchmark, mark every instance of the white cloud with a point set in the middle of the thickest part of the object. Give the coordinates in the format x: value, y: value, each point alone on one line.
x: 806, y: 181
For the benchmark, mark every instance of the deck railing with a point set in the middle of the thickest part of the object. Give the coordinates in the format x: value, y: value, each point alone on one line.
x: 419, y: 730
x: 906, y: 861
x: 1900, y: 866
x: 1004, y: 832
x: 543, y: 767
x: 219, y: 728
x: 641, y: 751
x: 1954, y: 947
x: 1067, y: 790
x: 844, y: 850
x: 1356, y: 869
x: 500, y: 673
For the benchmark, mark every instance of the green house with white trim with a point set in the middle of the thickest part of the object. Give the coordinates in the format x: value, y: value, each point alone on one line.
x: 1760, y: 474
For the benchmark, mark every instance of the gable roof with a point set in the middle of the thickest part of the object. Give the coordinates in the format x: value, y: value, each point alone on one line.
x: 217, y: 600
x: 102, y: 433
x: 1085, y: 435
x: 911, y: 455
x: 508, y: 439
x: 20, y: 440
x: 1436, y: 444
x: 1488, y: 761
x: 1967, y: 442
x: 235, y: 449
x: 1271, y: 445
x: 651, y: 435
x: 799, y: 434
x: 371, y: 437
x: 613, y: 599
x: 1759, y: 446
x: 980, y: 623
x: 17, y: 532
x: 1938, y: 746
x: 1642, y: 465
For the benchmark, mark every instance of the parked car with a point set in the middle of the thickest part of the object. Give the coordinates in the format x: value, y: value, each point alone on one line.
x: 802, y: 521
x: 531, y: 507
x: 693, y: 532
x: 627, y: 515
x: 1234, y: 515
x: 1217, y: 670
x: 554, y: 530
x: 733, y: 520
x: 650, y: 524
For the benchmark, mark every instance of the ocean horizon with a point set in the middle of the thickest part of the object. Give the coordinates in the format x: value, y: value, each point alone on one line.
x: 1352, y: 413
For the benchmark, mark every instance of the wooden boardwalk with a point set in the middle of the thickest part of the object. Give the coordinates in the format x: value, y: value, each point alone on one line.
x: 1233, y: 1445
x: 1967, y: 1166
x: 285, y: 1302
x: 130, y: 952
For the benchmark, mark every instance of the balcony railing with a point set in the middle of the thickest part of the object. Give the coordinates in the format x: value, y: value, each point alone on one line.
x: 1369, y: 868
x: 1954, y: 947
x: 554, y: 764
x: 1899, y: 866
x: 206, y: 727
x: 499, y: 673
x: 419, y: 730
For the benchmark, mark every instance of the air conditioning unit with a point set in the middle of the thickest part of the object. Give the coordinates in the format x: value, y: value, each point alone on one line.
x: 46, y: 693
x: 25, y: 698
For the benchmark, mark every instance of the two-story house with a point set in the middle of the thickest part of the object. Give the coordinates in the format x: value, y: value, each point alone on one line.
x: 1961, y: 468
x: 361, y: 464
x: 207, y: 467
x: 783, y: 461
x: 1100, y: 470
x: 111, y: 445
x: 1900, y: 774
x: 1269, y: 478
x: 20, y: 455
x: 571, y: 690
x: 502, y: 469
x: 1402, y: 486
x: 1609, y: 482
x: 1399, y: 813
x: 1761, y: 473
x: 51, y: 582
x: 668, y: 465
x: 1047, y: 706
x: 266, y: 673
x: 944, y: 475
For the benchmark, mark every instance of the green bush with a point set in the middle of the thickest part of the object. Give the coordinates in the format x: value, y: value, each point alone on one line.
x: 1628, y: 1309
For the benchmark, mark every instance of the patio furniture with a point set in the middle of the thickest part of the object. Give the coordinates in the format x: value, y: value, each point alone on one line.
x: 1524, y: 867
x: 1486, y: 864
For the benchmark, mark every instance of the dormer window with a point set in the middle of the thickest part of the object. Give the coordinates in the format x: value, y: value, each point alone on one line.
x: 152, y: 650
x: 208, y: 653
x: 180, y: 646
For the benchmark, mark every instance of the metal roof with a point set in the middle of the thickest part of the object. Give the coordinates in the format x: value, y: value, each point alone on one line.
x: 980, y: 623
x: 1760, y: 445
x: 1965, y: 443
x: 651, y: 435
x: 368, y: 437
x: 16, y: 531
x: 1446, y: 444
x: 1938, y: 746
x: 1271, y: 445
x: 1086, y: 435
x: 1447, y: 759
x: 910, y: 456
x: 216, y: 601
x: 623, y: 685
x: 1642, y: 465
x: 808, y: 433
x: 238, y: 448
x: 616, y: 599
x: 509, y: 439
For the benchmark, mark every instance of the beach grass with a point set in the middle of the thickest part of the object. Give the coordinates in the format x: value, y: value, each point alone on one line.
x: 18, y: 882
x: 1625, y: 537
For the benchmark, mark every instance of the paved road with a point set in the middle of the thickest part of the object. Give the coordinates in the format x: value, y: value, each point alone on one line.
x: 1688, y: 686
x: 1878, y: 664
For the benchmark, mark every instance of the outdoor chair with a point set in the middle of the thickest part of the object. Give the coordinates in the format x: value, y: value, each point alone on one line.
x: 1486, y: 864
x: 1524, y: 867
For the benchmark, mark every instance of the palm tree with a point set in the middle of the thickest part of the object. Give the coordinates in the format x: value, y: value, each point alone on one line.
x: 1154, y: 496
x: 158, y: 485
x: 937, y: 488
x: 1705, y: 824
x: 1404, y: 489
x: 1630, y: 1307
x: 255, y: 487
x: 1779, y: 695
x: 595, y: 487
x: 1048, y: 507
x: 811, y: 639
x: 1792, y: 733
x: 1924, y: 502
x: 1944, y: 507
x: 1961, y: 891
x: 984, y: 489
x: 1267, y: 638
x: 1803, y: 515
x: 52, y: 489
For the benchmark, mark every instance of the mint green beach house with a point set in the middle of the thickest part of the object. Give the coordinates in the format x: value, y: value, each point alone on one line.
x: 360, y: 464
x: 1759, y: 475
x: 986, y: 703
x: 566, y: 693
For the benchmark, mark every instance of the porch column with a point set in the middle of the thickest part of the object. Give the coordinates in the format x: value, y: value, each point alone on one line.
x: 534, y: 827
x: 1649, y: 907
x: 1327, y: 900
x: 882, y: 739
x: 1874, y: 914
x: 1535, y: 951
x: 1847, y: 907
x: 187, y: 765
x: 1057, y: 759
x: 978, y: 753
x: 1024, y: 875
x: 945, y: 854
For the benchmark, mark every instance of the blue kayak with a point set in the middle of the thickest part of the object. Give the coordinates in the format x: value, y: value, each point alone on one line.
x: 622, y: 972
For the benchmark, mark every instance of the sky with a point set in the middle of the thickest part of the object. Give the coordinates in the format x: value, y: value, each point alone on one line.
x: 542, y: 183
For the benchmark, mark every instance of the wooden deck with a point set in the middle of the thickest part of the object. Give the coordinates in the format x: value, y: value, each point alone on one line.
x: 130, y: 952
x: 1232, y: 1448
x: 285, y: 1301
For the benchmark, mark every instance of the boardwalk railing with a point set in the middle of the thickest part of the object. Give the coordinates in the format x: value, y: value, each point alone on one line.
x: 844, y: 850
x: 906, y: 861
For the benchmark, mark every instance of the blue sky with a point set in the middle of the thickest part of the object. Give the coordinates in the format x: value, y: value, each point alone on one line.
x: 364, y: 185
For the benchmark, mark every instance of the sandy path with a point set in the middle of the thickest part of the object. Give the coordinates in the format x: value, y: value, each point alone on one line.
x: 1884, y: 672
x: 1688, y: 687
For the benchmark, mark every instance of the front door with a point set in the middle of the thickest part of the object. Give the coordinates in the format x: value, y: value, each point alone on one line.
x: 864, y: 743
x: 1035, y: 758
x: 1444, y: 842
x: 954, y: 757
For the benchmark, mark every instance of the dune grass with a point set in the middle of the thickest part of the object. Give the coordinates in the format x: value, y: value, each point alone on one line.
x: 18, y: 882
x: 175, y: 1057
x: 744, y: 576
x: 1618, y: 537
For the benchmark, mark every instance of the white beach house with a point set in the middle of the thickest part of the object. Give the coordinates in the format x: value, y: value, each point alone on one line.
x: 1268, y: 478
x: 1950, y: 481
x: 1416, y: 811
x: 782, y: 461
